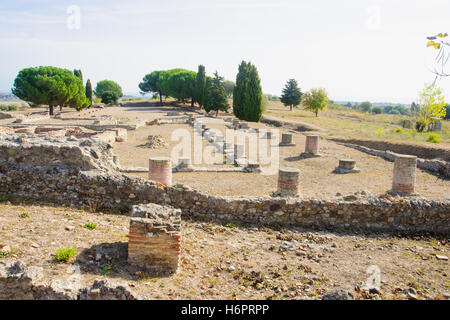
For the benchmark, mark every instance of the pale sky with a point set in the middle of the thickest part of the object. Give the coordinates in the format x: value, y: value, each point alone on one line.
x: 356, y: 49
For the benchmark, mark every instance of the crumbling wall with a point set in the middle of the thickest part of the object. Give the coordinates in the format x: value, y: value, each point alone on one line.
x: 80, y: 173
x: 111, y: 191
x: 19, y: 282
x: 435, y: 166
x: 53, y: 151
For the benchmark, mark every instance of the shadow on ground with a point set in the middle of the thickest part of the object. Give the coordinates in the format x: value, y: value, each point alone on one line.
x: 110, y: 259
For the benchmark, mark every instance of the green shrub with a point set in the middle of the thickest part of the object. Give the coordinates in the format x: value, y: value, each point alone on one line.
x: 109, y: 97
x: 434, y: 137
x: 399, y: 130
x: 420, y: 126
x: 13, y: 107
x: 377, y: 110
x: 90, y: 226
x: 2, y: 197
x: 405, y: 123
x: 24, y: 215
x: 66, y: 254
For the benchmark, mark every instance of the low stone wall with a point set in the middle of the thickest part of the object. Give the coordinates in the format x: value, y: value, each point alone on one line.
x: 424, y: 152
x: 82, y: 173
x: 302, y: 127
x: 53, y: 151
x: 110, y: 191
x: 437, y: 167
x: 19, y: 282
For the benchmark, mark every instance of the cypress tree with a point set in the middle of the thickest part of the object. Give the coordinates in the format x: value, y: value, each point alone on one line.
x: 200, y: 86
x: 89, y: 91
x: 247, y: 95
x: 238, y: 91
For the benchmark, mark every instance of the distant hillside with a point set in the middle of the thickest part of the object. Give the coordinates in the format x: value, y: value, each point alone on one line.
x: 374, y: 104
x: 4, y: 96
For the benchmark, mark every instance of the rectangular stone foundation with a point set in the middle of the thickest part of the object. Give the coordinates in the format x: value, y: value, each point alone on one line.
x: 155, y: 238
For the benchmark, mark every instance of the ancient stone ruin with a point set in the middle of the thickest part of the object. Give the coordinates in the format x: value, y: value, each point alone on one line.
x: 154, y: 238
x: 404, y: 177
x: 346, y: 166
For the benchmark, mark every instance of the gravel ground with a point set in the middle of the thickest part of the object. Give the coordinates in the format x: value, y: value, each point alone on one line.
x: 229, y: 261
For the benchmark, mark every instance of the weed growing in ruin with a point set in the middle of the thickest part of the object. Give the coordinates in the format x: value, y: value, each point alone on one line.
x: 90, y: 226
x: 93, y: 205
x: 4, y: 255
x: 230, y: 225
x: 2, y: 197
x: 434, y: 138
x: 66, y: 254
x: 24, y: 215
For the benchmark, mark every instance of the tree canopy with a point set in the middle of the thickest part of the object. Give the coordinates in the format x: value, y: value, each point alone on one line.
x: 50, y: 86
x: 291, y: 95
x: 109, y: 91
x: 365, y: 106
x: 247, y: 94
x: 180, y: 84
x: 431, y: 106
x: 229, y: 87
x: 216, y: 95
x: 315, y: 100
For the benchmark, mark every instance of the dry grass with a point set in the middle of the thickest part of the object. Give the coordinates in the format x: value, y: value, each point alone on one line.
x: 227, y: 262
x: 346, y: 123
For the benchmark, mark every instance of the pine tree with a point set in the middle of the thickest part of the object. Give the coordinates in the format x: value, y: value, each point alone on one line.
x: 292, y: 95
x: 217, y: 96
x: 78, y: 73
x: 247, y: 94
x: 200, y: 86
x: 89, y: 91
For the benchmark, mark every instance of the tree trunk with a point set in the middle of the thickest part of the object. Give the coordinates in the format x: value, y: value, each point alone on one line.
x: 291, y: 107
x: 160, y: 97
x: 51, y: 110
x: 317, y: 113
x: 192, y: 103
x: 217, y: 113
x: 60, y: 108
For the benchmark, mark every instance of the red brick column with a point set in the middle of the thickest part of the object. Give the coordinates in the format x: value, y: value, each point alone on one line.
x: 288, y: 181
x: 160, y: 170
x: 155, y: 238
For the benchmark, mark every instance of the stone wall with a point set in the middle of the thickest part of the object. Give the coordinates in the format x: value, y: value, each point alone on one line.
x: 437, y: 167
x: 53, y: 151
x: 81, y: 173
x: 19, y: 282
x: 111, y: 191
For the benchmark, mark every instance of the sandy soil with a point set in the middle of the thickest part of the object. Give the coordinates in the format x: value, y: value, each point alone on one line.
x: 229, y: 262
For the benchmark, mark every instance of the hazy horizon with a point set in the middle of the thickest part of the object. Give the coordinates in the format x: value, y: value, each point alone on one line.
x: 357, y: 50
